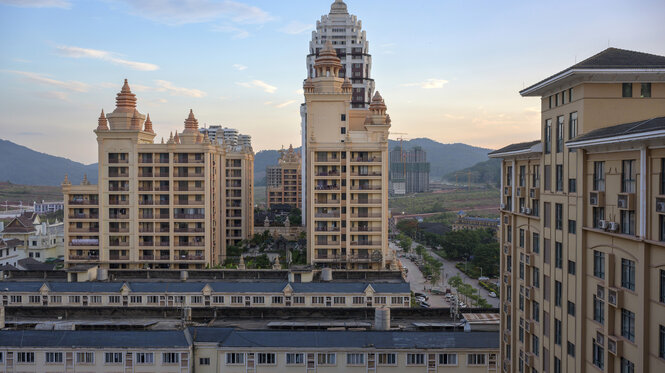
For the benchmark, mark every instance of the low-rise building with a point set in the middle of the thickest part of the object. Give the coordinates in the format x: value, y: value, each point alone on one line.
x: 40, y: 240
x: 11, y: 251
x: 474, y: 222
x: 45, y: 207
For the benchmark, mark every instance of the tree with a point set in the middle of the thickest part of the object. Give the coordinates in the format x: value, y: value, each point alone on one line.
x: 420, y: 250
x: 406, y: 243
x: 487, y: 256
x: 455, y: 281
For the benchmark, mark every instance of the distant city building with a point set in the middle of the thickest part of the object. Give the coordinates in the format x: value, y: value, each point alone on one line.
x: 409, y: 171
x: 177, y: 204
x: 39, y: 240
x: 345, y: 32
x: 474, y: 222
x: 284, y: 181
x: 11, y: 252
x: 44, y: 207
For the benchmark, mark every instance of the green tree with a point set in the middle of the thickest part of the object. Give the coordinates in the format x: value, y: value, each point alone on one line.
x: 455, y: 281
x: 420, y: 250
x: 405, y: 244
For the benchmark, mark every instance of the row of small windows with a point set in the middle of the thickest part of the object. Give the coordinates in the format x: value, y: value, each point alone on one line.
x: 141, y: 358
x: 322, y: 359
x: 560, y: 132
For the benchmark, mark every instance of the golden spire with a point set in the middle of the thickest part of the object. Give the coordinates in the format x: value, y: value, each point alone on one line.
x: 85, y: 180
x: 176, y: 138
x: 125, y: 100
x: 148, y: 124
x: 102, y: 123
x: 378, y: 106
x: 66, y: 181
x: 191, y: 123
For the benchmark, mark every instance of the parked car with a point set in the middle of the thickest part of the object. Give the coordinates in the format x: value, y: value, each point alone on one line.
x: 492, y: 294
x: 420, y: 299
x: 483, y: 278
x: 424, y: 305
x: 421, y: 295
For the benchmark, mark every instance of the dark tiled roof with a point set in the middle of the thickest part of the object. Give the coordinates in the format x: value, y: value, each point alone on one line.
x: 87, y: 338
x: 12, y: 242
x: 614, y: 58
x: 31, y: 264
x: 649, y: 125
x: 20, y: 287
x: 516, y: 147
x: 8, y: 267
x: 21, y: 223
x: 85, y: 287
x: 352, y: 339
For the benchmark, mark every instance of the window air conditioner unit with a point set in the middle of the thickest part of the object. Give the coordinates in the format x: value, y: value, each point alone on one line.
x: 597, y: 199
x: 600, y: 292
x: 613, y: 296
x: 527, y: 211
x: 522, y: 210
x: 506, y: 249
x: 521, y: 191
x: 534, y: 193
x: 660, y: 206
x: 600, y: 339
x: 603, y: 224
x: 502, y: 206
x: 506, y: 191
x: 613, y: 345
x: 626, y: 201
x: 614, y: 226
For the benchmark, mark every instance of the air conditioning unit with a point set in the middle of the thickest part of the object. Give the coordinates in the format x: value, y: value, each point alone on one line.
x: 521, y: 192
x: 660, y: 205
x: 614, y: 345
x: 522, y: 210
x: 507, y: 191
x: 529, y: 327
x: 506, y: 249
x: 528, y: 259
x: 614, y: 297
x: 534, y: 193
x: 528, y: 293
x: 603, y: 224
x: 528, y: 359
x: 600, y: 292
x: 600, y: 339
x: 613, y: 227
x: 626, y: 201
x: 505, y: 218
x: 597, y: 199
x: 502, y: 206
x: 527, y: 211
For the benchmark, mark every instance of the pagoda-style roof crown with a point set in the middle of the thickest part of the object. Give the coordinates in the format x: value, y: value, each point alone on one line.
x: 339, y: 7
x: 327, y: 64
x: 125, y: 100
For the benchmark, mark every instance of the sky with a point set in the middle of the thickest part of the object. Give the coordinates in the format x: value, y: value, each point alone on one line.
x: 449, y: 70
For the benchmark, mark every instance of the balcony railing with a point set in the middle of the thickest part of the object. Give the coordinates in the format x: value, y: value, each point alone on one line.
x: 366, y: 187
x: 326, y: 215
x: 83, y: 257
x: 118, y: 189
x: 118, y: 203
x: 83, y: 216
x: 190, y: 244
x: 325, y: 229
x: 377, y: 173
x: 366, y: 159
x: 189, y: 216
x: 373, y: 201
x: 327, y: 173
x: 146, y: 243
x: 119, y: 257
x: 118, y: 244
x: 191, y: 257
x: 84, y: 242
x: 119, y: 230
x: 365, y: 243
x: 188, y: 203
x: 83, y: 230
x: 118, y: 216
x: 367, y: 215
x: 83, y: 202
x: 147, y: 202
x: 327, y: 187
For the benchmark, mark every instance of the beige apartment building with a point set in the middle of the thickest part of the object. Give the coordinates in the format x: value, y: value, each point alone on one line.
x: 175, y: 204
x: 284, y: 181
x: 346, y: 172
x: 583, y: 222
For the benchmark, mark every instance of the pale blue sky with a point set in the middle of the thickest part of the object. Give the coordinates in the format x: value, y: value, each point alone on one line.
x: 241, y: 63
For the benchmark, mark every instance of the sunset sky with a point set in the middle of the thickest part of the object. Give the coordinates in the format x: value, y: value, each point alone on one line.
x: 449, y: 70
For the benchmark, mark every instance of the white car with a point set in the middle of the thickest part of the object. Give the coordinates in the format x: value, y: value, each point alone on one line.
x: 492, y: 294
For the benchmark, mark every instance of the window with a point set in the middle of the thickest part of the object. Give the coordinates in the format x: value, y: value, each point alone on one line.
x: 535, y: 243
x: 559, y: 134
x: 396, y: 300
x: 56, y: 299
x: 572, y: 227
x: 318, y: 300
x: 95, y: 299
x: 299, y: 300
x: 598, y: 310
x: 557, y: 332
x: 599, y: 176
x: 557, y: 293
x: 276, y: 299
x: 355, y: 359
x: 546, y: 288
x: 548, y: 134
x: 326, y: 359
x: 571, y: 308
x: 196, y: 299
x: 558, y: 255
x: 535, y: 344
x: 380, y: 300
x: 598, y: 215
x: 536, y: 277
x: 236, y: 299
x: 571, y: 267
x: 535, y: 311
x: 509, y: 175
x: 547, y: 214
x: 536, y: 176
x: 598, y: 355
x: 627, y: 90
x: 645, y: 90
x: 85, y: 357
x: 447, y: 359
x: 558, y: 216
x: 662, y: 286
x: 204, y: 361
x: 415, y: 359
x: 170, y: 357
x: 571, y: 349
x: 557, y: 365
x: 628, y: 274
x: 34, y: 299
x: 627, y: 366
x: 546, y: 250
x: 661, y: 342
x: 74, y: 299
x: 572, y: 185
x: 628, y: 176
x: 387, y: 359
x: 295, y: 358
x: 113, y: 299
x: 113, y: 357
x: 339, y: 300
x: 235, y: 358
x: 258, y: 299
x: 521, y: 334
x: 522, y: 176
x: 53, y: 357
x: 343, y: 117
x: 267, y: 358
x: 627, y: 223
x: 559, y: 178
x: 146, y: 358
x: 599, y: 264
x: 136, y: 299
x: 550, y: 99
x: 628, y: 325
x: 358, y: 300
x: 475, y: 359
x: 521, y: 243
x: 25, y: 357
x: 548, y: 177
x: 521, y: 268
x: 662, y: 176
x: 572, y: 126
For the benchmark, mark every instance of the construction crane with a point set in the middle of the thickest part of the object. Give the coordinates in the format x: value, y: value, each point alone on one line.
x: 468, y: 174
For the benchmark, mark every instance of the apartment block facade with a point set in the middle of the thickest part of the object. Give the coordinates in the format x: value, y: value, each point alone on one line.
x: 582, y: 222
x: 284, y: 181
x: 347, y: 172
x: 175, y: 204
x: 409, y: 171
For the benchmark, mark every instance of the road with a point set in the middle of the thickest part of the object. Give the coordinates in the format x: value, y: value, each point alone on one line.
x: 417, y: 281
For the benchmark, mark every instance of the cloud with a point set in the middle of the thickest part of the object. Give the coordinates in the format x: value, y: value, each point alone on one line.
x: 43, y: 79
x: 267, y: 88
x: 166, y: 86
x: 300, y: 92
x: 77, y: 52
x: 54, y: 95
x: 179, y: 12
x: 286, y: 103
x: 296, y: 27
x: 239, y: 67
x: 428, y: 84
x: 38, y: 3
x: 237, y: 32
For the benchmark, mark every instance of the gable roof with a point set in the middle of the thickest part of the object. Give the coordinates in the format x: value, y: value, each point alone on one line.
x: 10, y: 243
x: 22, y: 223
x: 522, y: 147
x: 31, y: 264
x: 609, y: 59
x: 89, y: 338
x: 622, y: 132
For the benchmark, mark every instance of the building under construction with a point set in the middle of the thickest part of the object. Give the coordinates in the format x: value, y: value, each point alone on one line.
x: 409, y: 171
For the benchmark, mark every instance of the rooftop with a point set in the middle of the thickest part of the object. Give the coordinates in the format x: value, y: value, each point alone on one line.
x: 650, y: 128
x: 519, y: 148
x: 90, y: 338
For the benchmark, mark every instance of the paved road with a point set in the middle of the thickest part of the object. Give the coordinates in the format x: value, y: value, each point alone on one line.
x: 448, y: 270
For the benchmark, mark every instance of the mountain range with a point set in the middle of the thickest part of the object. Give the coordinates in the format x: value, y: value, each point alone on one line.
x: 22, y: 165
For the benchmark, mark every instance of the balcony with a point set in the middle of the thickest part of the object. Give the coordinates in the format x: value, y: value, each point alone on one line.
x: 90, y: 202
x: 83, y: 216
x: 118, y: 244
x: 189, y: 230
x: 188, y: 203
x: 84, y: 230
x: 368, y: 174
x: 366, y: 187
x: 361, y: 258
x: 191, y: 257
x: 146, y: 174
x: 366, y: 160
x: 113, y: 188
x: 329, y: 258
x: 146, y: 243
x: 365, y: 229
x: 189, y: 216
x: 119, y: 230
x: 188, y: 174
x: 365, y: 215
x: 161, y: 174
x: 373, y: 201
x: 118, y: 203
x: 184, y: 160
x: 188, y: 189
x: 146, y: 230
x: 118, y: 174
x: 326, y: 215
x: 118, y: 216
x: 119, y: 257
x: 83, y: 257
x: 147, y: 202
x: 325, y: 229
x: 326, y: 187
x: 327, y: 173
x: 365, y: 243
x: 84, y: 242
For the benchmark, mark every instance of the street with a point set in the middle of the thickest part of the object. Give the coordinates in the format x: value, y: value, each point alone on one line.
x: 417, y: 281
